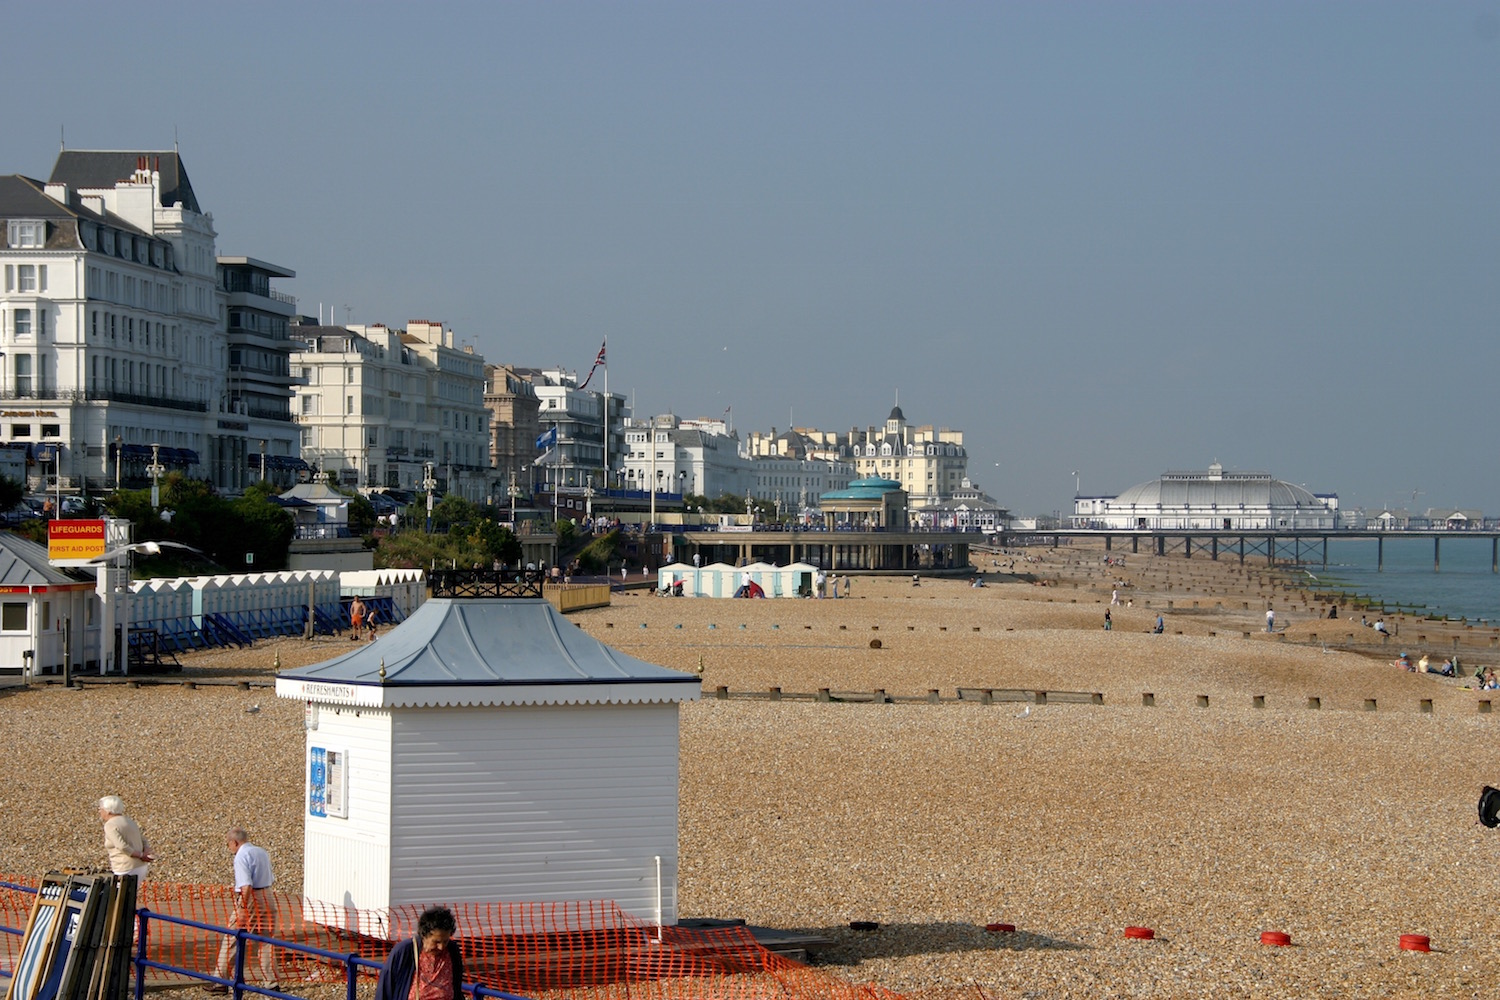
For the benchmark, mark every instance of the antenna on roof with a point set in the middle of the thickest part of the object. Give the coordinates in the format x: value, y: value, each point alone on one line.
x: 62, y: 138
x: 175, y: 148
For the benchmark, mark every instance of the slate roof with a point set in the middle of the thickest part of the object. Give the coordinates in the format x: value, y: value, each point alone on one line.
x: 486, y: 643
x: 23, y: 197
x: 101, y: 168
x: 23, y: 563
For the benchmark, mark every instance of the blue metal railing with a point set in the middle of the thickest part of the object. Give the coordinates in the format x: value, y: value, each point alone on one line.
x: 351, y: 961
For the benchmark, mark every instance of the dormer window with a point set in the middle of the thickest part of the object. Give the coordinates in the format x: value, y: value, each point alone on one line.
x: 26, y: 234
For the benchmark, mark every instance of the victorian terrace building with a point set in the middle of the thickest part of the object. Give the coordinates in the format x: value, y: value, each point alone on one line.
x: 112, y: 324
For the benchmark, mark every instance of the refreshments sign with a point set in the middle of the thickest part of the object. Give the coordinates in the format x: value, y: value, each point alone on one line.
x: 75, y: 540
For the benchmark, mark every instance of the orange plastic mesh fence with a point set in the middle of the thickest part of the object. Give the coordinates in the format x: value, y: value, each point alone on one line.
x: 587, y: 950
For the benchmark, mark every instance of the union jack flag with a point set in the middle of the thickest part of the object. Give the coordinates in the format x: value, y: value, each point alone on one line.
x: 597, y: 362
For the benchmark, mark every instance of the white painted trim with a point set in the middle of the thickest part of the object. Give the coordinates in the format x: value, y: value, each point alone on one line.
x: 375, y: 696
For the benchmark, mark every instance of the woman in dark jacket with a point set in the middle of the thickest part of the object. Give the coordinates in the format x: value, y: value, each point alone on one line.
x: 426, y: 967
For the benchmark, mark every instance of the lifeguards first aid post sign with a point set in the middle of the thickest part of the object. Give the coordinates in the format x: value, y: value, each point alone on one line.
x: 74, y: 542
x: 83, y: 544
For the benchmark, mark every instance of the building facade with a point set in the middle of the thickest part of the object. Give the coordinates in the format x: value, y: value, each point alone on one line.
x: 969, y: 509
x: 112, y: 324
x: 258, y: 380
x: 514, y: 428
x: 1213, y: 500
x: 378, y: 407
x: 583, y: 453
x: 929, y: 462
x: 667, y: 455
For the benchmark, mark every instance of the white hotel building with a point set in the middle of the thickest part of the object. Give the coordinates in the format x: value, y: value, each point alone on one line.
x: 667, y: 455
x: 113, y: 327
x: 377, y: 406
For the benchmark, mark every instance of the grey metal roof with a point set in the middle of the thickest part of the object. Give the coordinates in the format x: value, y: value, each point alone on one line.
x: 1184, y: 490
x: 486, y: 642
x: 23, y: 563
x: 101, y: 168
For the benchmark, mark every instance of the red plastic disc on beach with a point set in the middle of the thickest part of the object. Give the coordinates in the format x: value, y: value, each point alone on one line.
x: 1140, y: 933
x: 1275, y: 939
x: 1415, y: 942
x: 1000, y: 928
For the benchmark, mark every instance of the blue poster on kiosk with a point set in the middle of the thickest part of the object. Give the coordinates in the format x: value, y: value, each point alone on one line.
x: 317, y: 782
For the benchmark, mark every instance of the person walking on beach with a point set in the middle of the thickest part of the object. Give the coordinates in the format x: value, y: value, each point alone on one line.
x: 1270, y: 619
x: 1114, y: 598
x: 1161, y: 626
x: 126, y: 846
x: 1108, y: 622
x: 254, y: 910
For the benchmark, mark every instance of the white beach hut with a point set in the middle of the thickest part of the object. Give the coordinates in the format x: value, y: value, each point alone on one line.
x: 717, y: 580
x: 676, y: 573
x: 487, y: 750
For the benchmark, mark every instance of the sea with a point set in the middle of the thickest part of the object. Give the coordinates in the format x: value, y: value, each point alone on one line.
x: 1463, y: 588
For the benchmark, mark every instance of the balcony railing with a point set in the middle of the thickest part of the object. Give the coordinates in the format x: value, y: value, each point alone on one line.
x: 260, y: 414
x: 104, y: 395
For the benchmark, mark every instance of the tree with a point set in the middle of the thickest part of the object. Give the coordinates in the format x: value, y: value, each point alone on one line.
x: 264, y: 530
x: 224, y: 530
x: 361, y: 512
x: 597, y: 555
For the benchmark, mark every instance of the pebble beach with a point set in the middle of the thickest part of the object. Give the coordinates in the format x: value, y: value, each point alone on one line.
x: 1224, y: 808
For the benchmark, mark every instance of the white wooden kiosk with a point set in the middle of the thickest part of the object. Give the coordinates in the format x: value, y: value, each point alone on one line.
x: 488, y: 750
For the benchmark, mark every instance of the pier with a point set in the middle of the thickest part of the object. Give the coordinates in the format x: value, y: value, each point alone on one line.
x: 839, y: 551
x: 1270, y: 543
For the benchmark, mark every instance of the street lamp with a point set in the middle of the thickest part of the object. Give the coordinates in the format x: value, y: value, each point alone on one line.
x: 156, y: 470
x: 262, y: 459
x: 119, y: 457
x: 428, y: 484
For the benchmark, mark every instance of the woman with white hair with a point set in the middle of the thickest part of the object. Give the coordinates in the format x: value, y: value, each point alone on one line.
x: 129, y: 853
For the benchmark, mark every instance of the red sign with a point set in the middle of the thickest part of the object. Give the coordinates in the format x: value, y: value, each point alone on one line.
x: 80, y: 539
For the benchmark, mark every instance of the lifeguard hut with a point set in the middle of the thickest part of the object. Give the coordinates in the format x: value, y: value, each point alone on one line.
x: 488, y: 750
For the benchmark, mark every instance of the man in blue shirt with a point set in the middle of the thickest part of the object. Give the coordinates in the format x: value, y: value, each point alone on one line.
x: 254, y: 909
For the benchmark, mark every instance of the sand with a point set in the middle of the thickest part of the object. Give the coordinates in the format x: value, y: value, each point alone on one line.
x: 1340, y: 826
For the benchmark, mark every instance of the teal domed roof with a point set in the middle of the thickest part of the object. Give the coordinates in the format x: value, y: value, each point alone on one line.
x: 870, y: 488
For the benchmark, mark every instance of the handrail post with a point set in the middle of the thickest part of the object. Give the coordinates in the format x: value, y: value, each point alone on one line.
x: 240, y: 947
x: 143, y: 925
x: 351, y: 975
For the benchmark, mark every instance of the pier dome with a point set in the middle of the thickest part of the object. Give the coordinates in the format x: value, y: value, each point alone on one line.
x: 1235, y: 489
x: 1214, y: 500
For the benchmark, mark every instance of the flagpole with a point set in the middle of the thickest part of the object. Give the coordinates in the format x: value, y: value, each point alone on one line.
x: 606, y: 416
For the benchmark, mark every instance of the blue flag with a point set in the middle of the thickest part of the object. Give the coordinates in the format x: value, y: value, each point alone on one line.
x: 547, y: 440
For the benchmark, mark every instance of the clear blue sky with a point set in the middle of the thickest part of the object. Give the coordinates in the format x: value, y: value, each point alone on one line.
x: 1111, y: 237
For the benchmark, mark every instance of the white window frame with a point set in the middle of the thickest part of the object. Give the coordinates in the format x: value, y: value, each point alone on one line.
x: 26, y: 234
